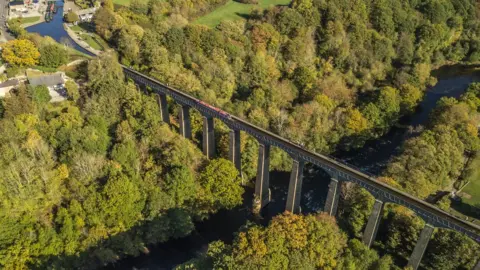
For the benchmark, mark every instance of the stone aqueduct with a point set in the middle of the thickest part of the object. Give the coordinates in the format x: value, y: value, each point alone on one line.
x: 433, y: 217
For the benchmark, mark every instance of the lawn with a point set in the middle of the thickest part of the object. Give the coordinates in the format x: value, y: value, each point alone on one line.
x: 28, y: 20
x: 91, y: 41
x: 472, y: 190
x: 234, y: 11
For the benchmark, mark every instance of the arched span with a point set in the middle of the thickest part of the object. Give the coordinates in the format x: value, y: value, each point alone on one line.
x: 342, y: 172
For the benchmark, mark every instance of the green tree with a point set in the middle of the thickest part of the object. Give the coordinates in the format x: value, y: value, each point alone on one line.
x: 53, y: 56
x: 71, y: 17
x: 72, y: 90
x: 40, y: 94
x: 222, y: 184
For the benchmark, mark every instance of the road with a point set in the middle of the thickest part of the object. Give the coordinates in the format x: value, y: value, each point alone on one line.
x: 5, y: 35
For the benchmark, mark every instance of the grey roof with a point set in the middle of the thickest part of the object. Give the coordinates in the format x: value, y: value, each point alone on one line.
x: 9, y: 83
x: 47, y: 80
x: 86, y: 11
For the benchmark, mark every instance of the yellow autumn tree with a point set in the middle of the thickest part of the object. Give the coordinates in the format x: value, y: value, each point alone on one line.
x: 20, y: 52
x: 355, y: 122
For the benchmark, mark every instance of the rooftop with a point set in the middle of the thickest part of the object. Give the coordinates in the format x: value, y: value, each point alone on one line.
x: 47, y: 80
x: 16, y: 3
x: 9, y: 83
x: 86, y: 11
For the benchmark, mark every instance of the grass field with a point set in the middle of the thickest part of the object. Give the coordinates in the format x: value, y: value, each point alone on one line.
x: 472, y: 190
x: 234, y: 11
x: 122, y: 2
x: 28, y: 20
x: 91, y: 41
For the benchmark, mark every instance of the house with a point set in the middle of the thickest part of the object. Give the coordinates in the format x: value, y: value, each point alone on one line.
x: 17, y: 6
x: 86, y: 15
x: 55, y: 81
x: 6, y: 86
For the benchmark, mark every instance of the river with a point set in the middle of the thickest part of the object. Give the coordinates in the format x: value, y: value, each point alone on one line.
x: 452, y: 82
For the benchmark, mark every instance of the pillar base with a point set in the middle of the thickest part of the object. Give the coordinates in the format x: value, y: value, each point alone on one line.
x: 331, y: 204
x: 208, y: 141
x: 295, y: 187
x: 373, y: 223
x: 421, y: 246
x: 262, y: 194
x: 184, y: 121
x: 234, y: 152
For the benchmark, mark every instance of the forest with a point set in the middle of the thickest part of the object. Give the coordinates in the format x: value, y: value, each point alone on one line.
x: 86, y: 181
x: 329, y: 75
x: 90, y: 180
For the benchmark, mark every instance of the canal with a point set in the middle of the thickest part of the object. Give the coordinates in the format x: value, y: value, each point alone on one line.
x: 452, y: 82
x: 55, y: 30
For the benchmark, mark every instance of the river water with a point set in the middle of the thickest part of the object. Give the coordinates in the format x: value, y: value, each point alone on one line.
x: 372, y: 158
x: 452, y: 82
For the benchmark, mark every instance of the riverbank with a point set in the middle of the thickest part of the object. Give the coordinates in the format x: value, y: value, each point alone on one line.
x: 79, y: 41
x: 40, y: 20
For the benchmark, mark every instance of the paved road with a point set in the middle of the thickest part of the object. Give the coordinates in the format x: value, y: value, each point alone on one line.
x: 5, y: 35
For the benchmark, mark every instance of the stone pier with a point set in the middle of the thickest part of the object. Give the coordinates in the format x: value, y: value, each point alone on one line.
x: 162, y: 104
x: 295, y: 187
x: 208, y: 141
x: 421, y: 246
x: 262, y: 193
x: 373, y: 223
x: 234, y: 154
x: 184, y: 121
x: 331, y: 204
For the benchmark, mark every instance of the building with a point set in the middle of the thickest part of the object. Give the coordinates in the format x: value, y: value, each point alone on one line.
x: 6, y: 86
x: 55, y: 81
x: 17, y: 6
x: 86, y: 15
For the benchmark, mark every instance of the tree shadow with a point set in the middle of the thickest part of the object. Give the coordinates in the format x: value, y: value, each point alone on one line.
x: 466, y: 209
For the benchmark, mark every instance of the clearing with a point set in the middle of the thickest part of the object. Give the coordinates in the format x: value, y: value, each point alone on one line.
x: 234, y: 11
x: 472, y: 190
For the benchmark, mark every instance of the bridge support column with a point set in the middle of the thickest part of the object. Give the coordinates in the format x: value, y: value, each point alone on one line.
x: 295, y: 187
x: 184, y: 121
x: 162, y: 104
x: 421, y: 246
x: 333, y: 196
x: 208, y: 137
x: 373, y: 223
x: 262, y: 192
x: 234, y: 154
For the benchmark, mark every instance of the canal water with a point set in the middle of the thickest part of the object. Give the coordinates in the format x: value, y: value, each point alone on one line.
x: 55, y: 30
x: 372, y: 158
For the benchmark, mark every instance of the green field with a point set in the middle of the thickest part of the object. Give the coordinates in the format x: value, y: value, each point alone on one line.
x: 91, y: 41
x: 234, y: 11
x: 121, y: 2
x: 28, y: 20
x: 472, y: 190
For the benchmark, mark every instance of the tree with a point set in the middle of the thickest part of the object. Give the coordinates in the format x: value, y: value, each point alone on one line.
x: 53, y: 56
x: 289, y: 242
x: 72, y: 90
x: 71, y: 17
x: 20, y: 52
x: 222, y: 184
x: 40, y: 94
